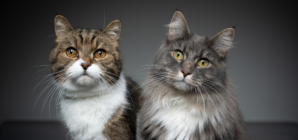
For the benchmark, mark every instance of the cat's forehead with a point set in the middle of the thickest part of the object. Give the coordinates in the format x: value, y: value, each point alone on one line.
x: 192, y: 46
x: 88, y: 40
x: 85, y: 37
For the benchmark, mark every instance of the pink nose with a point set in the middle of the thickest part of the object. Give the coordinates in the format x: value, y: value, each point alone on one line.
x: 85, y: 66
x: 185, y: 73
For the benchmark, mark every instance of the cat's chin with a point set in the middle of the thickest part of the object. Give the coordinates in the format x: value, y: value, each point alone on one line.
x: 85, y: 80
x: 82, y: 82
x: 181, y: 85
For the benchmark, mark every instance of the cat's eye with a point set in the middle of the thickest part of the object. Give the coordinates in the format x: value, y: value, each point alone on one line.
x: 178, y: 55
x: 71, y: 52
x: 100, y: 54
x: 203, y: 63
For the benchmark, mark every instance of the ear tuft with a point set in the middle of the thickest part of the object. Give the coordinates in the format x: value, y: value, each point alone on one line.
x: 62, y: 27
x: 178, y: 26
x: 223, y: 40
x: 113, y: 30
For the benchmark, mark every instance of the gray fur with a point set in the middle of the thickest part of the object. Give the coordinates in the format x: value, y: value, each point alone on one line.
x: 210, y: 91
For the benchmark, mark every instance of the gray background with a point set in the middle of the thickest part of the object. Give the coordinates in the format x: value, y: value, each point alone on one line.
x: 262, y: 62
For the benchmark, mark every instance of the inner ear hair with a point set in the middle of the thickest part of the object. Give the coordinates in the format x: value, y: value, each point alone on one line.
x: 223, y: 40
x: 178, y: 26
x: 62, y: 26
x: 113, y: 30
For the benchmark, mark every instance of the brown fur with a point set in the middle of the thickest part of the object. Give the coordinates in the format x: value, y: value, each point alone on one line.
x: 135, y: 93
x: 122, y: 124
x: 118, y: 127
x: 86, y: 43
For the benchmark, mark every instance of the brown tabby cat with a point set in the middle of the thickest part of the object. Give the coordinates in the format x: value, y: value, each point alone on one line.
x: 188, y: 96
x: 95, y: 103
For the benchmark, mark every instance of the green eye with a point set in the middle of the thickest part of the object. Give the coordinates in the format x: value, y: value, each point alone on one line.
x: 203, y: 63
x: 178, y: 55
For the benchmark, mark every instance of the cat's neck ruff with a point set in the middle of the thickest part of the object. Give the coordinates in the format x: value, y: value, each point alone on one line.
x: 86, y: 117
x: 180, y: 118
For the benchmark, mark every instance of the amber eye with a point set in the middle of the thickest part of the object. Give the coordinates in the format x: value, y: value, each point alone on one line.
x: 203, y: 63
x: 71, y: 52
x: 100, y: 54
x: 178, y: 55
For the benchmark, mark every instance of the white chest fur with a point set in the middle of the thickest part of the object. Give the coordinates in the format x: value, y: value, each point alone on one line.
x: 86, y: 117
x: 181, y: 122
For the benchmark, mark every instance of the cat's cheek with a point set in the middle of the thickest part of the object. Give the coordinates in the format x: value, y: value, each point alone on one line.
x: 179, y: 76
x: 188, y: 79
x: 76, y: 69
x: 94, y: 71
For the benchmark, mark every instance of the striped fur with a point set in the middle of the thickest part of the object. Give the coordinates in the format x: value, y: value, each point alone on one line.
x: 95, y: 102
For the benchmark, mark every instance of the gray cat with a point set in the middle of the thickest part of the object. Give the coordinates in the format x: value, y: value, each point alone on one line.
x: 189, y: 95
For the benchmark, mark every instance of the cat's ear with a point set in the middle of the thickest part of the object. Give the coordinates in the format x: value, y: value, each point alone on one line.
x: 178, y: 26
x: 62, y: 27
x: 222, y: 41
x: 113, y: 30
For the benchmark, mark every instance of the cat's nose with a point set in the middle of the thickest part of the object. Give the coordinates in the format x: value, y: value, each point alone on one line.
x: 85, y: 65
x: 185, y: 73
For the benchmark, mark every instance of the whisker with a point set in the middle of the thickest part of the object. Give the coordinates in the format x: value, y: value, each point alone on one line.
x: 209, y: 97
x: 203, y: 99
x: 152, y: 67
x: 104, y: 19
x: 51, y: 82
x: 49, y: 37
x: 53, y: 93
x: 42, y: 66
x: 220, y: 86
x: 217, y: 93
x: 43, y: 69
x: 48, y: 85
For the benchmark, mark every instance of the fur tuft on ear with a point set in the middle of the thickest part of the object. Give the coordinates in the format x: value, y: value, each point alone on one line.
x: 62, y: 27
x: 113, y: 30
x: 178, y: 26
x: 223, y: 40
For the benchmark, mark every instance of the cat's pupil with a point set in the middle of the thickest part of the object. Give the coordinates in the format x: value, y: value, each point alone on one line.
x: 203, y: 62
x: 71, y: 51
x: 178, y: 54
x: 99, y: 52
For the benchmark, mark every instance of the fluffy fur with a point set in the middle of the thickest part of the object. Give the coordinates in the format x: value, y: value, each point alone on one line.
x: 86, y: 118
x: 95, y: 103
x: 199, y: 105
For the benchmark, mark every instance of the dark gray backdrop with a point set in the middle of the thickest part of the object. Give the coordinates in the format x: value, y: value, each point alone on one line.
x: 262, y: 63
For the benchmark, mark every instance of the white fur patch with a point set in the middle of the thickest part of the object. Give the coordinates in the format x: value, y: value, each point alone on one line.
x: 181, y: 82
x: 78, y: 82
x: 86, y: 116
x: 181, y: 121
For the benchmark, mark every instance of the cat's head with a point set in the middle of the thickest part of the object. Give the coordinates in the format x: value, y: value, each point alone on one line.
x: 84, y: 59
x: 186, y: 61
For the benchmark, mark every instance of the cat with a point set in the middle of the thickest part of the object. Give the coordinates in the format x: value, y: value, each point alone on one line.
x: 189, y: 96
x: 95, y: 102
